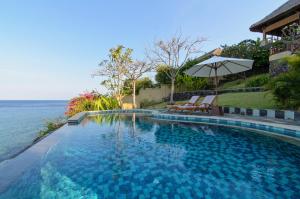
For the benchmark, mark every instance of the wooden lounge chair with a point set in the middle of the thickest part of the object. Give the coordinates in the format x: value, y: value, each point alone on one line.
x: 207, y: 103
x: 191, y: 105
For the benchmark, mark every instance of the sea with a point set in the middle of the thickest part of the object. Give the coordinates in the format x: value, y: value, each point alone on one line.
x: 21, y: 121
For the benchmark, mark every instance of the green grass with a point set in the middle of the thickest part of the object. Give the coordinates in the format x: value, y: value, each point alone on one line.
x: 240, y: 83
x: 260, y: 100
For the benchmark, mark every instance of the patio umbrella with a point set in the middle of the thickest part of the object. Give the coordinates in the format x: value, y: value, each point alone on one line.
x: 219, y: 66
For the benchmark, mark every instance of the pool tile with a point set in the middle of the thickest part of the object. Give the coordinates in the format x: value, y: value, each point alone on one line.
x: 166, y: 159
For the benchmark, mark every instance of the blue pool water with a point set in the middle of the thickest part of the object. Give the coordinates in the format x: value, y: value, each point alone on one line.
x: 20, y: 121
x: 121, y: 156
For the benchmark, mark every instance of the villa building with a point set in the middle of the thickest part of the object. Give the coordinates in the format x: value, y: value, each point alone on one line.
x: 281, y: 33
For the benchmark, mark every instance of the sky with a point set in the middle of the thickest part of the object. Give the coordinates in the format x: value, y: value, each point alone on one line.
x: 50, y: 48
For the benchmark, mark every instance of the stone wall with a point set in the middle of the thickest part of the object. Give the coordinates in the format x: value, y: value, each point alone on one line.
x: 278, y: 66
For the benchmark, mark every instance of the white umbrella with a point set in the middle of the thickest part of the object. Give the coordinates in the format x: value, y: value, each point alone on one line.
x: 219, y: 66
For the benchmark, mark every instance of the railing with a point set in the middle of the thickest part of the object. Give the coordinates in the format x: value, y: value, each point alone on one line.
x: 288, y: 40
x: 289, y: 46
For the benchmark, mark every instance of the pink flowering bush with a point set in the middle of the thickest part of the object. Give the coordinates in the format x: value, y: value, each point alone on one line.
x: 90, y: 101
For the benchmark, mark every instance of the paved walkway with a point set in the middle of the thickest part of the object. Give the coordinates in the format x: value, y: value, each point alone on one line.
x: 235, y: 116
x: 264, y: 119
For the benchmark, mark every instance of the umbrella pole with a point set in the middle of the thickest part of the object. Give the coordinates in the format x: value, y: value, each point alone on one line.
x: 216, y: 82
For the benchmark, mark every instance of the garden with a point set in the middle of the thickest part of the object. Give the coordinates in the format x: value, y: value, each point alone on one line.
x: 126, y: 76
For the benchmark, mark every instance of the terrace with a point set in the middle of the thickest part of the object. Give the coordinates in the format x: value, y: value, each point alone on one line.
x: 281, y: 29
x: 285, y: 42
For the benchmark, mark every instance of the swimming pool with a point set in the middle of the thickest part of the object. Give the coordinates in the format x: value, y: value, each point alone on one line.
x: 135, y: 156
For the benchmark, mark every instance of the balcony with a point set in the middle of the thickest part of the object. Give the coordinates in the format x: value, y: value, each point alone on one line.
x: 288, y: 40
x: 282, y: 46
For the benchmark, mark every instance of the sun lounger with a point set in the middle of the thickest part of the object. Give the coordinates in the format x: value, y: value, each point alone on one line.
x: 191, y: 105
x: 207, y: 103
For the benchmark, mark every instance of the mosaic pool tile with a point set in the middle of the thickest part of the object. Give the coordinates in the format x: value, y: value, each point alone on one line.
x: 255, y: 126
x: 115, y: 156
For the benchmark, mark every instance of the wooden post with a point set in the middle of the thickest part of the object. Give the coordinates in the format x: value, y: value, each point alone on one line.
x: 216, y: 83
x: 264, y: 36
x: 216, y: 109
x: 216, y: 80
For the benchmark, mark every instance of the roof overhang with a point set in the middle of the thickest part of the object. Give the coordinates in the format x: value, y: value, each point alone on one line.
x: 284, y: 12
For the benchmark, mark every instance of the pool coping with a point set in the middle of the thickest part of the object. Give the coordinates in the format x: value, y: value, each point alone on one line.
x: 287, y: 130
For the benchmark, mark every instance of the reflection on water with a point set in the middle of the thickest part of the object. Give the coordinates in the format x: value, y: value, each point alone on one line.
x: 113, y: 156
x: 135, y: 124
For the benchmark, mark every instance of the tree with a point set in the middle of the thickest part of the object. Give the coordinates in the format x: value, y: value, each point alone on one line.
x: 134, y: 71
x: 114, y: 70
x: 188, y: 83
x: 249, y: 49
x: 144, y: 82
x: 174, y: 53
x: 161, y: 76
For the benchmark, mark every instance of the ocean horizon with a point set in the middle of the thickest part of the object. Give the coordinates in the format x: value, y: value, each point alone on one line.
x: 21, y: 121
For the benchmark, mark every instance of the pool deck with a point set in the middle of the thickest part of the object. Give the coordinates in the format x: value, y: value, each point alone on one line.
x: 264, y: 119
x: 243, y: 117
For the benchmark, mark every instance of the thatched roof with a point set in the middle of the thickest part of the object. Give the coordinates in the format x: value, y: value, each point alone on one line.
x: 214, y: 52
x: 287, y: 9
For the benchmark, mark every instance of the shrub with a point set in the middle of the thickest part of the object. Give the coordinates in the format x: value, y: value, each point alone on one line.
x: 257, y: 81
x: 104, y: 103
x: 285, y: 87
x: 189, y: 83
x: 90, y: 102
x: 183, y: 81
x: 50, y: 127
